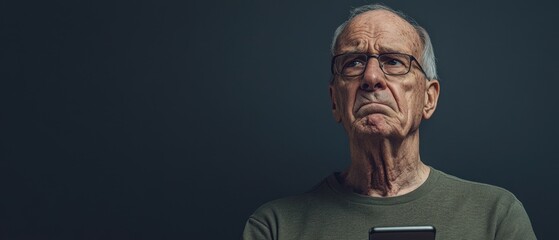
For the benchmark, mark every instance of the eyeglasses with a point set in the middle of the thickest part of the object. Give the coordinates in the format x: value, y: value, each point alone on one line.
x: 354, y: 64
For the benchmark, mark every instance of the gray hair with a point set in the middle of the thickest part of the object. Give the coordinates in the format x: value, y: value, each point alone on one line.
x: 427, y: 57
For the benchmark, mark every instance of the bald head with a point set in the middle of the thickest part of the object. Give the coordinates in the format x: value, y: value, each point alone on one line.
x: 390, y: 32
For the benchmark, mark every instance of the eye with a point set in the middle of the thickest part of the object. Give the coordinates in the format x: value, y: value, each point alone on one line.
x: 355, y: 63
x: 392, y: 62
x: 350, y: 64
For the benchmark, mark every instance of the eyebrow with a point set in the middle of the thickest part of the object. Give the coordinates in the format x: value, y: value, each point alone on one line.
x: 382, y: 49
x: 385, y: 49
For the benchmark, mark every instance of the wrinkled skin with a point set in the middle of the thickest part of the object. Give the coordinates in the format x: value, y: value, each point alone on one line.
x: 381, y: 114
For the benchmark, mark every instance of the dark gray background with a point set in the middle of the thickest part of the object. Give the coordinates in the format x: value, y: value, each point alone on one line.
x: 177, y: 119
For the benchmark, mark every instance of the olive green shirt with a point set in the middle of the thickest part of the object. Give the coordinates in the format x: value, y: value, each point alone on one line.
x: 458, y: 209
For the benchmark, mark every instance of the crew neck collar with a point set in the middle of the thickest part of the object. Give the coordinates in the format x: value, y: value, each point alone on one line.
x: 351, y: 196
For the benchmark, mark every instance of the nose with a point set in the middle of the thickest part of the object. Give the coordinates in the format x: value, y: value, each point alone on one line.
x: 373, y: 78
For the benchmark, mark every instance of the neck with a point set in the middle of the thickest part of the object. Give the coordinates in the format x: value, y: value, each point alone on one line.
x: 386, y: 167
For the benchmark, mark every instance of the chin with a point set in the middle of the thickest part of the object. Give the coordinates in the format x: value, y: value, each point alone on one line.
x: 373, y: 125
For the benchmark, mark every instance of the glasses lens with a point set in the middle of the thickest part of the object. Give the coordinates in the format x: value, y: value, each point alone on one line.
x: 395, y: 64
x: 352, y: 64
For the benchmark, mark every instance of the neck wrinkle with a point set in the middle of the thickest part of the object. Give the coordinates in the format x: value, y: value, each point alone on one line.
x: 385, y: 167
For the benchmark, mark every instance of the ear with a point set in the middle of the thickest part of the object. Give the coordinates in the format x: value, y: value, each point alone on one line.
x: 432, y: 90
x: 335, y: 111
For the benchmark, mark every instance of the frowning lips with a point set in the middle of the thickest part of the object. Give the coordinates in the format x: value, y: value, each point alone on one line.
x: 369, y: 103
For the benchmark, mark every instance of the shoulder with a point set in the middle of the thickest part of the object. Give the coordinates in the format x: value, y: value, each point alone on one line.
x: 286, y: 216
x: 482, y: 206
x: 293, y: 206
x: 482, y: 193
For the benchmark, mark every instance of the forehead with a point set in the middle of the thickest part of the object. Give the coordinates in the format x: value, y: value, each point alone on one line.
x: 378, y: 31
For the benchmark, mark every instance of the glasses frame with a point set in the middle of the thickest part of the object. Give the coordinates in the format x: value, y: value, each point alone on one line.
x: 369, y: 56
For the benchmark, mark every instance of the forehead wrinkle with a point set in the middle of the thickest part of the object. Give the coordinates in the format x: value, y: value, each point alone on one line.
x: 387, y: 31
x: 376, y: 46
x: 360, y: 41
x: 414, y: 40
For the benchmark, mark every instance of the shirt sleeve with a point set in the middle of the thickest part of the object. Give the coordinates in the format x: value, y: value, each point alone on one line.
x: 256, y: 230
x: 516, y: 225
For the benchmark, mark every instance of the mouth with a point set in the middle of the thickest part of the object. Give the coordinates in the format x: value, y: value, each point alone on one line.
x: 369, y: 108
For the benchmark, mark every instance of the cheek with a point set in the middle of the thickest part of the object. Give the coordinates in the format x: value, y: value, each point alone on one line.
x: 401, y: 93
x: 410, y: 99
x: 416, y: 99
x: 345, y: 98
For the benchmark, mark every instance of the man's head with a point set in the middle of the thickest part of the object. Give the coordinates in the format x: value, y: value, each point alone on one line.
x: 377, y: 93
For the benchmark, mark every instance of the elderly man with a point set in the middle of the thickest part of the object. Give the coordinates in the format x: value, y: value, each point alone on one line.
x: 384, y: 83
